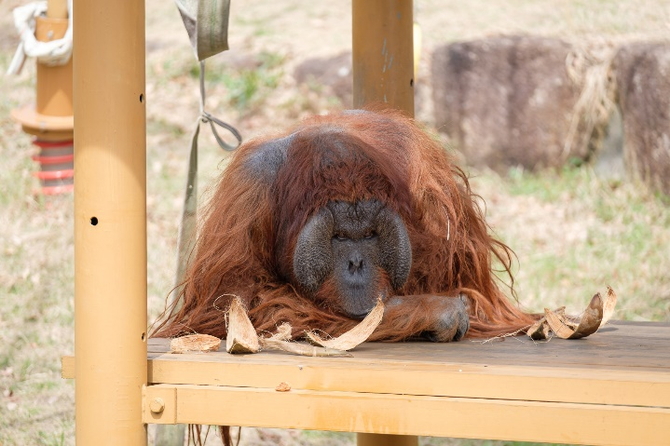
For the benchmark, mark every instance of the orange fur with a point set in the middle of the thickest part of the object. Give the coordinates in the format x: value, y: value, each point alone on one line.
x: 251, y: 224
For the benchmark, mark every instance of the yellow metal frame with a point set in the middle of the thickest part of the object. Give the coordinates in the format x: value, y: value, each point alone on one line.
x: 601, y: 391
x: 110, y: 222
x: 409, y: 414
x: 50, y: 118
x: 383, y: 53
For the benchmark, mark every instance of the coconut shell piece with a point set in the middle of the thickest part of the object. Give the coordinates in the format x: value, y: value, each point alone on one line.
x: 284, y: 332
x: 598, y: 313
x: 609, y: 302
x: 283, y: 387
x: 299, y: 348
x: 354, y: 337
x: 282, y: 341
x: 195, y: 343
x: 589, y: 323
x: 540, y: 331
x: 242, y: 337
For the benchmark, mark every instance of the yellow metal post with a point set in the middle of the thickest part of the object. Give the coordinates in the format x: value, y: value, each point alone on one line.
x: 383, y: 69
x: 110, y: 222
x: 57, y: 8
x: 54, y: 83
x: 383, y: 54
x: 50, y: 118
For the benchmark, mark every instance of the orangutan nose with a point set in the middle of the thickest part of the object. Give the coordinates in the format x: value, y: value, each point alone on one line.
x: 355, y: 264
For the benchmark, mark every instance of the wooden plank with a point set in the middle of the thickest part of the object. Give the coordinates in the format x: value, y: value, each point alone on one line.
x: 613, y: 388
x: 455, y: 380
x: 619, y: 346
x: 110, y: 222
x: 413, y: 415
x: 651, y: 388
x: 503, y: 370
x: 624, y: 364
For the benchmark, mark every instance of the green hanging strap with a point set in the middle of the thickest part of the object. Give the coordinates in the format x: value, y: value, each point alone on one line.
x: 206, y: 23
x: 187, y: 230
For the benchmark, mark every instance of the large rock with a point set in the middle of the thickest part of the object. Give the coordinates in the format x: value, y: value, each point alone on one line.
x: 643, y: 81
x: 507, y: 101
x: 333, y: 73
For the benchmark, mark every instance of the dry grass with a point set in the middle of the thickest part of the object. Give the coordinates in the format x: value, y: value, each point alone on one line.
x: 573, y: 232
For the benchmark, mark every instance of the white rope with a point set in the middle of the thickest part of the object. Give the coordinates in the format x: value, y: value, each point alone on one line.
x: 51, y: 53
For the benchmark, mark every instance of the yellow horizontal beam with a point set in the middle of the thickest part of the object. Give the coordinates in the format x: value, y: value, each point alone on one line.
x: 589, y: 385
x: 408, y: 415
x: 460, y: 380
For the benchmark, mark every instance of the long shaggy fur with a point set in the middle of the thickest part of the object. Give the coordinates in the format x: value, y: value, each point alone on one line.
x: 252, y: 221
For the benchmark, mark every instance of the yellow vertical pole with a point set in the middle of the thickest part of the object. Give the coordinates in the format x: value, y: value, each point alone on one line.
x: 383, y: 54
x: 50, y: 118
x: 383, y: 69
x: 110, y: 222
x: 54, y: 84
x: 57, y: 8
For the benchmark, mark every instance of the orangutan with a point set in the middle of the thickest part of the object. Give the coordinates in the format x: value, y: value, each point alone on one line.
x: 312, y: 226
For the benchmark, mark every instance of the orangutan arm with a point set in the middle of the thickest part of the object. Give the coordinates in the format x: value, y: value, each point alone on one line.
x: 430, y: 317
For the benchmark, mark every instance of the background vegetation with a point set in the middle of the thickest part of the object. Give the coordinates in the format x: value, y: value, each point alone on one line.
x: 574, y: 231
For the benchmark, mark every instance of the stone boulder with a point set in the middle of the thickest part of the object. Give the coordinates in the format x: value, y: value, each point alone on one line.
x: 332, y: 73
x: 507, y: 101
x: 643, y: 83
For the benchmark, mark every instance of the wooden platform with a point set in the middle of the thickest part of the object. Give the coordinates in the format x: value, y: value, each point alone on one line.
x: 612, y: 388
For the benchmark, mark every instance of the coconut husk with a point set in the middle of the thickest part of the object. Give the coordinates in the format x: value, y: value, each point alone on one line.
x: 539, y: 330
x: 589, y: 323
x: 283, y: 387
x: 241, y: 337
x: 281, y: 340
x: 557, y: 323
x: 300, y: 348
x: 195, y: 343
x: 354, y: 337
x: 609, y: 302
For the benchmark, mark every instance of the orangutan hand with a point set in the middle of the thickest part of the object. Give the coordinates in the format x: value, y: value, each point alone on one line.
x: 434, y: 318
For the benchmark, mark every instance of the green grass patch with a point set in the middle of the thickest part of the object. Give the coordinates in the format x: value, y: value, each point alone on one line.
x: 574, y: 234
x: 247, y: 86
